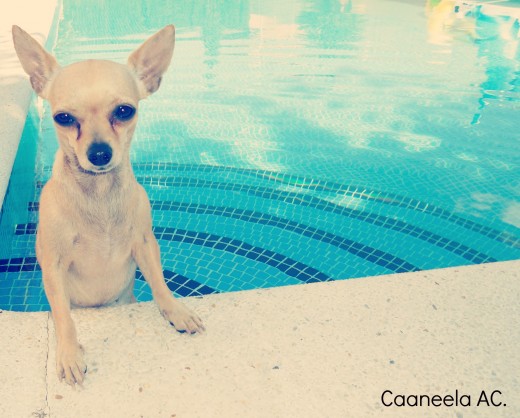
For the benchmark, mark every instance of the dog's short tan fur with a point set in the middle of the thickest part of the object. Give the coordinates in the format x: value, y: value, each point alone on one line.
x: 95, y: 224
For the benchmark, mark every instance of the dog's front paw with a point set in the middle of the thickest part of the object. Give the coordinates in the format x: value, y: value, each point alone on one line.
x: 70, y: 364
x: 181, y: 317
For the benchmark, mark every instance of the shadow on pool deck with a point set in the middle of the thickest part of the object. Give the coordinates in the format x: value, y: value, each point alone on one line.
x: 327, y: 349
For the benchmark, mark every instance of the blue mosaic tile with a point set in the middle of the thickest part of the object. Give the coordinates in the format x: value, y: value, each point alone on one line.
x: 358, y: 192
x: 358, y: 249
x: 286, y: 264
x: 317, y: 203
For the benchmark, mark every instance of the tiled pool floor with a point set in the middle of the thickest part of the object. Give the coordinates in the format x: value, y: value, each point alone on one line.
x: 227, y: 229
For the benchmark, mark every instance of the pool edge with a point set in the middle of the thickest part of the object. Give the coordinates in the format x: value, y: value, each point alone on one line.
x: 15, y: 89
x: 324, y: 349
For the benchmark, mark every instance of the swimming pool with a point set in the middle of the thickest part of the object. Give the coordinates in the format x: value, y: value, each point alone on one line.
x: 303, y: 141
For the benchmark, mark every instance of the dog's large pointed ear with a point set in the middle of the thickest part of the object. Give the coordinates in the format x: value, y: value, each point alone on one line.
x: 37, y: 63
x: 151, y: 60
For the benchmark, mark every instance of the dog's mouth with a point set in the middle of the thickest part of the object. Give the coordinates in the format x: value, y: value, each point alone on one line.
x: 98, y: 171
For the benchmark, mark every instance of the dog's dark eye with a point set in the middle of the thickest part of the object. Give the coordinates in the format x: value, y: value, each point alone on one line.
x: 124, y: 112
x: 64, y: 119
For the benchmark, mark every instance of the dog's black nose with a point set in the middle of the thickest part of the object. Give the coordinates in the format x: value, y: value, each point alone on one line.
x: 99, y: 154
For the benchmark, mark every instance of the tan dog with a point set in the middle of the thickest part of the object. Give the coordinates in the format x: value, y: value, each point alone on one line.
x: 95, y: 219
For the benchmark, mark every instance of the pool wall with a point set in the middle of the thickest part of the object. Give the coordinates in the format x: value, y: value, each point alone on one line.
x: 38, y: 17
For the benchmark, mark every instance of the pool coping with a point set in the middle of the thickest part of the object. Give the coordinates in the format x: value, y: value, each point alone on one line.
x: 322, y: 349
x: 36, y: 17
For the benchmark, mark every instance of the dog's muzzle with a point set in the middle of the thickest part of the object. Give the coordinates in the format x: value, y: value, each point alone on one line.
x: 99, y: 154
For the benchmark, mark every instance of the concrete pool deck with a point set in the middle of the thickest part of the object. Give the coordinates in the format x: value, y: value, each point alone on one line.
x: 317, y: 350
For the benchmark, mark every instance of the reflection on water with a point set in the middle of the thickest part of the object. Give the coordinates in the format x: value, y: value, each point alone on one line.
x: 494, y: 29
x: 331, y: 24
x: 418, y: 99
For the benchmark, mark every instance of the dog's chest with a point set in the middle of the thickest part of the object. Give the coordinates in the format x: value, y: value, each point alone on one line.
x: 102, y: 261
x: 101, y: 266
x: 103, y: 242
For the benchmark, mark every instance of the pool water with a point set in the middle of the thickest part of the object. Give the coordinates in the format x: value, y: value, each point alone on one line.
x: 301, y: 141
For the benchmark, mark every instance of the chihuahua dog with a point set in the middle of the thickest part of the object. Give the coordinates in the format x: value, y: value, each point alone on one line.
x: 95, y: 223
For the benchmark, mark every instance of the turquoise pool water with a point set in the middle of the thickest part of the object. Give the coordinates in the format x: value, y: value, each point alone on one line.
x: 301, y: 141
